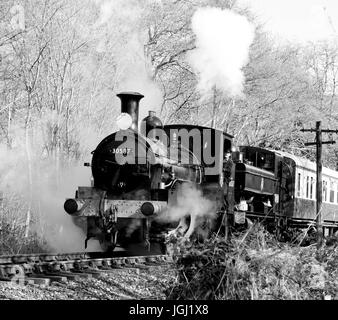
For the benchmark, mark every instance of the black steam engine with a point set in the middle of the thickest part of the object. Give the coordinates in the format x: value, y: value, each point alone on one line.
x: 139, y: 174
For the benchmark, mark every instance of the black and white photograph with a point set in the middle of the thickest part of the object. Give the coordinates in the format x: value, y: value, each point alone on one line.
x: 168, y: 154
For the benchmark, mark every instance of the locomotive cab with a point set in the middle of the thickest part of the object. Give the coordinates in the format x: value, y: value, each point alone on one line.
x: 256, y: 182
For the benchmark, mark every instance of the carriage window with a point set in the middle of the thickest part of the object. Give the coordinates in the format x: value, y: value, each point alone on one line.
x: 314, y: 189
x: 332, y: 188
x: 307, y: 186
x: 324, y: 190
x: 298, y: 184
x: 311, y: 188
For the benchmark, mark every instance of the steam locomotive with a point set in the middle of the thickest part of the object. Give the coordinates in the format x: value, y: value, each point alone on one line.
x: 139, y: 173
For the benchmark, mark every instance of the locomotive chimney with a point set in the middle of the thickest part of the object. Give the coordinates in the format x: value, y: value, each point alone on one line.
x: 130, y: 104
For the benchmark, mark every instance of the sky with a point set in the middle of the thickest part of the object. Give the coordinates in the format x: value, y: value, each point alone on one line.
x: 298, y: 20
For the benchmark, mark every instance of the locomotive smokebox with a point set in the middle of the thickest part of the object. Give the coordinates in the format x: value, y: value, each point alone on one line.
x: 130, y: 104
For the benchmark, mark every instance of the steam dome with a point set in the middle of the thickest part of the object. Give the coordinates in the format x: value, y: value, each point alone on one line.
x: 149, y: 123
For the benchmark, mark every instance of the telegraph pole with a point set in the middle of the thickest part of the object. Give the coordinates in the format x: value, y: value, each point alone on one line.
x: 319, y: 185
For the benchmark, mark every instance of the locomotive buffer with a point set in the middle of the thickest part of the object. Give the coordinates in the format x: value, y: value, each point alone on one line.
x: 319, y: 191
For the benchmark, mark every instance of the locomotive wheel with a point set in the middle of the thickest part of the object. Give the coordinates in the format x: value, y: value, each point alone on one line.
x: 106, y: 246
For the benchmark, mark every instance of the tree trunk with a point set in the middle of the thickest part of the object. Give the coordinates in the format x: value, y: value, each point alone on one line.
x: 29, y: 168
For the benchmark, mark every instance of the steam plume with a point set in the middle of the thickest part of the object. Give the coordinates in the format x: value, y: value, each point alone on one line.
x: 223, y: 38
x: 190, y: 201
x: 134, y: 67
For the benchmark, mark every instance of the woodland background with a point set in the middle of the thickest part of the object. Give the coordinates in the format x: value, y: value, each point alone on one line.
x: 63, y: 62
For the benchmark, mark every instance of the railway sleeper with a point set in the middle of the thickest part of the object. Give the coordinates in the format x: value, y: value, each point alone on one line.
x: 95, y: 273
x: 67, y: 275
x: 70, y: 275
x: 53, y: 278
x: 114, y: 266
x: 154, y: 261
x: 77, y: 274
x: 39, y: 280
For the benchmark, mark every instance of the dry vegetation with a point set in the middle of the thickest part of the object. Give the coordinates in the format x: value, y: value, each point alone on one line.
x: 253, y: 265
x: 13, y: 239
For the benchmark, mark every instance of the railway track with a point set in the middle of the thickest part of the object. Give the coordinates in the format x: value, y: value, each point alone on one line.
x: 46, y: 268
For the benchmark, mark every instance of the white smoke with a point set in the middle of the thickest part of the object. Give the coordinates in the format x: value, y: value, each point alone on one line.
x: 54, y: 224
x: 136, y: 77
x: 223, y: 39
x: 46, y: 194
x: 190, y: 202
x: 134, y: 67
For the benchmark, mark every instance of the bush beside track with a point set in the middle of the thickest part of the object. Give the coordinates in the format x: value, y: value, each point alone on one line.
x: 254, y: 265
x: 13, y: 239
